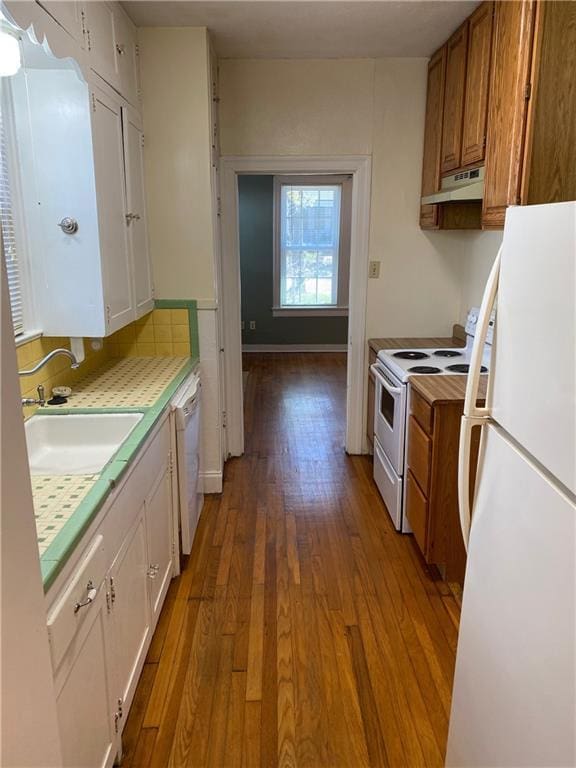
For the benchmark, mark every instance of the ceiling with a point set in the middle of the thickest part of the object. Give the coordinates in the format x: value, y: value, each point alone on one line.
x: 297, y: 29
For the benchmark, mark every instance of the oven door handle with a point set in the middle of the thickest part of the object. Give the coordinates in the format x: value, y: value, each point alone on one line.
x: 384, y: 382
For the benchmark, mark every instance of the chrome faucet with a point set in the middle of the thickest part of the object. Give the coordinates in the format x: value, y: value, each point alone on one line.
x: 41, y: 398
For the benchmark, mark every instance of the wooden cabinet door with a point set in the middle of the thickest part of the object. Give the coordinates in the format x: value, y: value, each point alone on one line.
x: 101, y: 41
x: 130, y: 608
x: 456, y: 55
x: 433, y: 136
x: 550, y: 158
x: 477, y: 79
x: 370, y: 409
x: 84, y: 693
x: 136, y: 205
x: 110, y: 191
x: 159, y: 530
x: 511, y: 62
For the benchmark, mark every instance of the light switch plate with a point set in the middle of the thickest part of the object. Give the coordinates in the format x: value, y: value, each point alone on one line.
x: 374, y: 269
x: 252, y: 325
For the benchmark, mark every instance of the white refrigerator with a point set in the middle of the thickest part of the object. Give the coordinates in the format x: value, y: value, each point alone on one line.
x: 515, y: 682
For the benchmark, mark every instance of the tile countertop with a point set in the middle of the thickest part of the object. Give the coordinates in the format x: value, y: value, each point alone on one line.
x: 65, y: 505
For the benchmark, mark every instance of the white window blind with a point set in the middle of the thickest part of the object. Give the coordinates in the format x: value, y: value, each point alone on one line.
x: 309, y: 245
x: 10, y: 245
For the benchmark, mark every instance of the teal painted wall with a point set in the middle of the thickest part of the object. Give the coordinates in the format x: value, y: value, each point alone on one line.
x: 256, y: 222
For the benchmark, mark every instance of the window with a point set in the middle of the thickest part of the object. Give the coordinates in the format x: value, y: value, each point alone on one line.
x: 312, y: 245
x: 7, y: 222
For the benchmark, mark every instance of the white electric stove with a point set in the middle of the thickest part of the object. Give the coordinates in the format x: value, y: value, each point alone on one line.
x: 392, y: 372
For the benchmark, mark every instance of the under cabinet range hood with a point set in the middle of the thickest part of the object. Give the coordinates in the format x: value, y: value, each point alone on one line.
x: 461, y: 187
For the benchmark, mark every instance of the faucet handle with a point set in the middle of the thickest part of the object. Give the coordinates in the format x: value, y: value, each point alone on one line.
x: 41, y: 394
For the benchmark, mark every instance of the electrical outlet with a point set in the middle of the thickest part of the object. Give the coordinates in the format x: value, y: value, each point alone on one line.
x: 252, y: 325
x: 242, y: 324
x: 374, y: 269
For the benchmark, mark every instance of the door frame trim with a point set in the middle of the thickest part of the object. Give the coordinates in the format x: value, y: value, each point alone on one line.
x: 360, y: 167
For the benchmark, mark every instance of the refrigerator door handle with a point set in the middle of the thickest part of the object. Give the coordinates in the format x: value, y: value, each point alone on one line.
x: 464, y: 508
x: 488, y: 300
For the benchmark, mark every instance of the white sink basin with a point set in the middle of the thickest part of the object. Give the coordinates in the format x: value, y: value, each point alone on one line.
x: 78, y: 444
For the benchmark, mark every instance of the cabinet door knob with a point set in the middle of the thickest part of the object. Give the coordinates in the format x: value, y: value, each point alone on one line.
x: 68, y: 225
x: 91, y: 593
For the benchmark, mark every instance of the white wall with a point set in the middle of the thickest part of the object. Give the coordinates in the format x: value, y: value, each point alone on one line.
x: 362, y: 107
x: 176, y: 100
x: 477, y: 253
x: 176, y: 103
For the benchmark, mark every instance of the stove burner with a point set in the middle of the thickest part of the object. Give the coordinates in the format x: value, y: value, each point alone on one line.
x: 424, y: 369
x: 447, y: 353
x: 410, y: 355
x: 464, y: 368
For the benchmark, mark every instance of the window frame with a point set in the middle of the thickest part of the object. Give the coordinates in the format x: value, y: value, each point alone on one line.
x: 314, y: 180
x: 29, y: 329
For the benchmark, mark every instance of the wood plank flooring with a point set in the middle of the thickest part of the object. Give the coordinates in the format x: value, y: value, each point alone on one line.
x: 304, y: 631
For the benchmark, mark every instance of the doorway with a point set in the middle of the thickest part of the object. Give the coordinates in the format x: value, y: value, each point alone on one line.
x: 358, y: 168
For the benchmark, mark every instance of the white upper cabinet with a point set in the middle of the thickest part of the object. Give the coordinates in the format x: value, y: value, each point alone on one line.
x: 111, y: 196
x: 100, y: 30
x: 70, y: 16
x: 126, y: 52
x: 136, y: 212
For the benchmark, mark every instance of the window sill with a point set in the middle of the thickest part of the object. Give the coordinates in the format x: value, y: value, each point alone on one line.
x: 24, y: 338
x: 309, y: 311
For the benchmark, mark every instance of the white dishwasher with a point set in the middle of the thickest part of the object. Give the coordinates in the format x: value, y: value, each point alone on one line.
x: 186, y: 408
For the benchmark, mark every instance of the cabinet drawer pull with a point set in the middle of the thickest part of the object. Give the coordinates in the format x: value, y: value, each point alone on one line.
x: 91, y: 593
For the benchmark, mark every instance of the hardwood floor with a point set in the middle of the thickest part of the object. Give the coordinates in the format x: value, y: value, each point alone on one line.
x: 304, y: 630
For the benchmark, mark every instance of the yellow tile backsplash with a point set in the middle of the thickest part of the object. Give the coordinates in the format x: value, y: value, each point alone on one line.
x: 161, y: 333
x: 155, y: 334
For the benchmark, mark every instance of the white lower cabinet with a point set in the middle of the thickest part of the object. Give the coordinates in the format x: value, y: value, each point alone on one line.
x: 103, y: 610
x: 84, y: 692
x: 129, y: 603
x: 159, y: 528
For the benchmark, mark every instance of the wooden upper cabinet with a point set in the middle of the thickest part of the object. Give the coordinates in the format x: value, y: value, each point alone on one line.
x: 456, y: 56
x: 507, y: 109
x: 477, y: 78
x: 549, y: 174
x: 433, y: 136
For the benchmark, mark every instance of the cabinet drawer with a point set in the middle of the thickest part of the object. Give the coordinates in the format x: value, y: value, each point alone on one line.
x: 419, y: 452
x: 422, y: 411
x: 417, y: 511
x: 63, y: 620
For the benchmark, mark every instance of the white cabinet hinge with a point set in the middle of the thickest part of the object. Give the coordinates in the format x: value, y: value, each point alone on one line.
x: 171, y: 462
x: 218, y: 206
x: 120, y: 705
x: 137, y: 49
x: 88, y: 40
x: 116, y: 718
x: 93, y: 102
x: 108, y: 314
x: 224, y: 419
x: 108, y: 604
x: 142, y: 140
x: 83, y: 23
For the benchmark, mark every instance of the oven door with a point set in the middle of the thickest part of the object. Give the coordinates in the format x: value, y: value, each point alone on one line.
x: 390, y: 416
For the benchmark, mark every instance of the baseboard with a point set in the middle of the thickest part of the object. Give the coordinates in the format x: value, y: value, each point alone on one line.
x: 211, y: 482
x: 294, y: 348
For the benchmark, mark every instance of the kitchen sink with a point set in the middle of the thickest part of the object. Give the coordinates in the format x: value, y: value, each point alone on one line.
x: 76, y: 444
